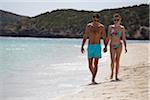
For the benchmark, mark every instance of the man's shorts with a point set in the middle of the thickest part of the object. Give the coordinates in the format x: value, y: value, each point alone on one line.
x: 94, y: 51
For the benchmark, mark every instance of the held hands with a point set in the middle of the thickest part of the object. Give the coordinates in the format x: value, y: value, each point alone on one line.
x: 82, y: 50
x: 105, y: 49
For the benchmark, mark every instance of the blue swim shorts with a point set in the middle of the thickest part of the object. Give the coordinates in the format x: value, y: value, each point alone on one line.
x: 94, y: 51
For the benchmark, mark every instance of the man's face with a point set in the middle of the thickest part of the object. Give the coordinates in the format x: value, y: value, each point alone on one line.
x: 95, y: 19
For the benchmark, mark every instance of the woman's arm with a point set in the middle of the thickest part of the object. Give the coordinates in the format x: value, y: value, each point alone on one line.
x: 124, y: 39
x: 108, y: 34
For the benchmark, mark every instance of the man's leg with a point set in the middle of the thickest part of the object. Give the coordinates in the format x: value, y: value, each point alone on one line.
x: 91, y: 67
x: 95, y: 69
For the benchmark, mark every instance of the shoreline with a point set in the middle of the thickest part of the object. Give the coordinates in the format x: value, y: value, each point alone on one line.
x: 134, y: 74
x: 59, y: 37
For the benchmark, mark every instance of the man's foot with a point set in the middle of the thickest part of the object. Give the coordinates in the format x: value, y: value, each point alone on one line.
x: 111, y: 77
x: 93, y: 83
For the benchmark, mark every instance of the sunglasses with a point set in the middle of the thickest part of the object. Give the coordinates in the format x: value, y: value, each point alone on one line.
x: 116, y: 19
x: 94, y: 16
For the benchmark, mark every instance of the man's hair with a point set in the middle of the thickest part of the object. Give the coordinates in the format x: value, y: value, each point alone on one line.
x: 96, y: 15
x: 117, y: 15
x: 90, y: 21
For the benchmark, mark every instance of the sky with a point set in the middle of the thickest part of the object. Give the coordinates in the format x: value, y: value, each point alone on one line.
x: 35, y: 7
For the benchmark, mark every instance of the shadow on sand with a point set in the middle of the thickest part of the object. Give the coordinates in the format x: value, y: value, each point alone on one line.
x: 104, y: 82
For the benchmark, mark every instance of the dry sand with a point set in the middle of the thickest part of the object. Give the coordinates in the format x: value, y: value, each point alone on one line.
x: 134, y: 75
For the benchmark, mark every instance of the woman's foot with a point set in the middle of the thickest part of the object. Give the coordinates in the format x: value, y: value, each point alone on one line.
x: 117, y: 79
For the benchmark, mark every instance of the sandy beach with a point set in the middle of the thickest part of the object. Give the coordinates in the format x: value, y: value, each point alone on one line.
x: 134, y: 75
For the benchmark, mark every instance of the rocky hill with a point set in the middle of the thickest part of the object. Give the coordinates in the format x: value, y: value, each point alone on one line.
x: 69, y: 23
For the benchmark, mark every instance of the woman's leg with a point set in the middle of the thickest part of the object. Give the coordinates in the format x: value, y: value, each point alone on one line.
x: 112, y: 56
x: 118, y: 53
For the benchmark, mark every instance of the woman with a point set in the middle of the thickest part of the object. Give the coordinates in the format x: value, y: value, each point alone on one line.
x: 115, y: 32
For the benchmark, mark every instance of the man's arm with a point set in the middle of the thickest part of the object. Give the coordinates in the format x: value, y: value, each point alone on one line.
x: 85, y: 36
x: 104, y: 38
x: 82, y: 47
x: 124, y: 39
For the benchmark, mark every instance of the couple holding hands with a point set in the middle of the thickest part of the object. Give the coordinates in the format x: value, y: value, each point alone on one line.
x: 93, y: 32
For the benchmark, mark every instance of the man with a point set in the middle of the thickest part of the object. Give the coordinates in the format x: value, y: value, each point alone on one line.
x: 94, y: 31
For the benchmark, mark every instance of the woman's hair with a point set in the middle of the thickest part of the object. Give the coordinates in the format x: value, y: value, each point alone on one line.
x: 116, y: 15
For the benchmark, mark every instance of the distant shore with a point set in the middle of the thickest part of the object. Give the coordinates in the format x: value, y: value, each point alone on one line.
x: 71, y: 23
x: 60, y: 37
x: 134, y: 75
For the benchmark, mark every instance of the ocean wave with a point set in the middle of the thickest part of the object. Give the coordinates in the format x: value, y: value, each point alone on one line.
x: 15, y: 49
x: 69, y: 66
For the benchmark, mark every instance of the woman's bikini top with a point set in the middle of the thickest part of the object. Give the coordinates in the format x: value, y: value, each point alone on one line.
x: 115, y: 33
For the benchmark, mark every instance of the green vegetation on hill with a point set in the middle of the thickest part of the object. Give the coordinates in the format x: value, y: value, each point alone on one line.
x: 71, y: 23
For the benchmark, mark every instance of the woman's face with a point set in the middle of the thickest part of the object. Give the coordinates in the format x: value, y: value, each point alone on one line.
x: 117, y: 20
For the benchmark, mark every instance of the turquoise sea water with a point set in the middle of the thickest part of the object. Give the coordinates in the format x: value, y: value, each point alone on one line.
x: 42, y: 69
